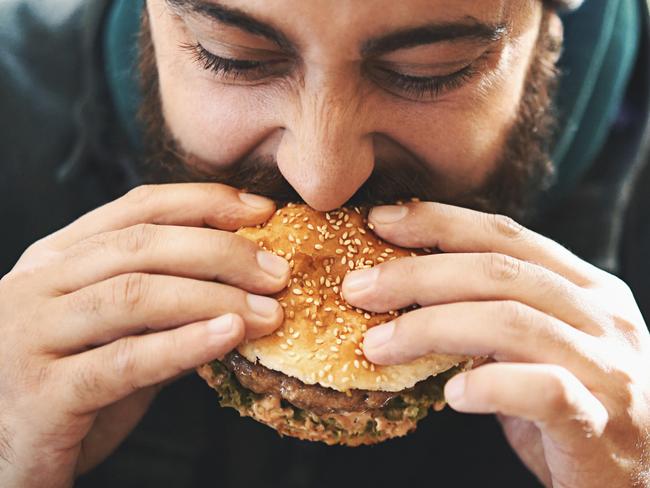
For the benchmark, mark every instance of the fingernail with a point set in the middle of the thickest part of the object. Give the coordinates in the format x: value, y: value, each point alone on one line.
x: 360, y: 280
x: 255, y: 201
x: 388, y: 214
x: 221, y: 325
x: 274, y: 265
x: 455, y: 388
x: 263, y: 306
x: 378, y: 336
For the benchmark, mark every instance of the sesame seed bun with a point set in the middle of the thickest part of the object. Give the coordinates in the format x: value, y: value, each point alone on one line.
x: 320, y: 341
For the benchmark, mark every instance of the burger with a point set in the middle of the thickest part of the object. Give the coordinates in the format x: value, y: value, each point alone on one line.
x: 310, y: 379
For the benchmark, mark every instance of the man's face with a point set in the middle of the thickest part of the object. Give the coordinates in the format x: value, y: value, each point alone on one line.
x: 438, y: 98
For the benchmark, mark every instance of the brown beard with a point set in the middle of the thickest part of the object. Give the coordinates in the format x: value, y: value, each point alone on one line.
x: 523, y: 172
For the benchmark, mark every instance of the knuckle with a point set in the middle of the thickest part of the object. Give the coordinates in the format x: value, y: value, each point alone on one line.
x: 123, y: 360
x: 85, y: 384
x: 515, y: 319
x: 504, y: 226
x: 141, y: 194
x: 85, y: 302
x: 557, y: 391
x: 130, y: 291
x: 136, y: 238
x: 90, y: 245
x: 500, y: 267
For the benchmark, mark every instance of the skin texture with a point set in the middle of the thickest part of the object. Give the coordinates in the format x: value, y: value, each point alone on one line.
x: 96, y: 316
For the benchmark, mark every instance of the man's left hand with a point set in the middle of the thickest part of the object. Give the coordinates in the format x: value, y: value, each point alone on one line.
x: 570, y: 380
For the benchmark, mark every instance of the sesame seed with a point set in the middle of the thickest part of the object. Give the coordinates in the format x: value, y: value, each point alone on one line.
x: 358, y: 352
x: 279, y: 333
x: 321, y: 373
x: 318, y: 247
x: 372, y: 367
x: 345, y: 379
x: 356, y: 363
x: 297, y: 291
x: 334, y: 349
x: 371, y: 226
x: 330, y: 378
x: 295, y: 335
x: 378, y: 379
x: 339, y: 320
x: 364, y: 363
x: 319, y: 341
x: 289, y: 342
x: 345, y: 367
x: 292, y: 314
x: 284, y: 347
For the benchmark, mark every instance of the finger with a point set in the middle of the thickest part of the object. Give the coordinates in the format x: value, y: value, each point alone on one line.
x: 102, y: 376
x: 506, y: 331
x: 456, y: 229
x: 202, y: 254
x: 137, y: 303
x: 446, y: 278
x: 548, y: 395
x: 190, y: 204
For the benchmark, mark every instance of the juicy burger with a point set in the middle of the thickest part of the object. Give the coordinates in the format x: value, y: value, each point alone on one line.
x: 310, y: 379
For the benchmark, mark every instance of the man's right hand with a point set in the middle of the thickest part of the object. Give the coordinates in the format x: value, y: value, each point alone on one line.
x: 95, y: 316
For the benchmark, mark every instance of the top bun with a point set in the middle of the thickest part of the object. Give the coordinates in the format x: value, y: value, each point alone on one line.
x: 320, y: 341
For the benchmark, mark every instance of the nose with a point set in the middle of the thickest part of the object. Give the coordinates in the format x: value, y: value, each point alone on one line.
x: 326, y: 152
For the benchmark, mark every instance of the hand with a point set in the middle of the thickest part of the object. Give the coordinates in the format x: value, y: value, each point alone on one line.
x: 571, y: 382
x: 95, y: 316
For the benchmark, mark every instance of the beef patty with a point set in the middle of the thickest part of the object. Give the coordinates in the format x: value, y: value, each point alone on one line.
x: 315, y: 398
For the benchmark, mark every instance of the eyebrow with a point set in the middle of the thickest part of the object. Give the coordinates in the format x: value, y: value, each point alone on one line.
x: 468, y: 30
x: 235, y: 18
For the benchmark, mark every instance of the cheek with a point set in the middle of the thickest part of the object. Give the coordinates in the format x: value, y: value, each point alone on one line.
x: 217, y: 123
x: 462, y: 139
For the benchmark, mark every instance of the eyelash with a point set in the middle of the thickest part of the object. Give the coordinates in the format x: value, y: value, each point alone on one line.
x: 409, y: 86
x: 425, y: 87
x: 235, y: 69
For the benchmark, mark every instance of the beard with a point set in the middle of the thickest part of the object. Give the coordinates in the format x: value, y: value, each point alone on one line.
x: 523, y: 172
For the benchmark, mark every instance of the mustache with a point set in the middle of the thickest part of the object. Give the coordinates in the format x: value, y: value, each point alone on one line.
x: 389, y: 182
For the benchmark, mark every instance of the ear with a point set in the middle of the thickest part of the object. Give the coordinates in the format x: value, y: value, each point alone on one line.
x: 555, y: 30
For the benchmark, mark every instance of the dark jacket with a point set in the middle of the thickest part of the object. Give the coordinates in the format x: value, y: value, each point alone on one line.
x: 63, y: 152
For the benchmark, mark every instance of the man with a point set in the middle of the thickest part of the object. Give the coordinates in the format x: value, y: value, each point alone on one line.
x: 329, y: 102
